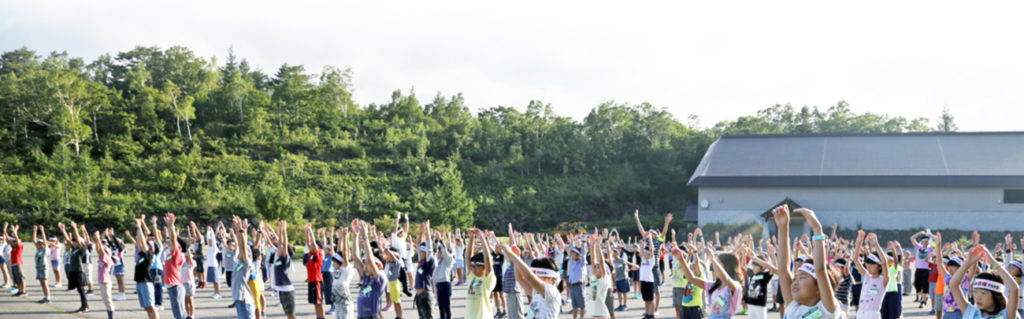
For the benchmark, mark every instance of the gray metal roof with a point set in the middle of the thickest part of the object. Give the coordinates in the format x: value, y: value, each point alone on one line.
x: 909, y: 159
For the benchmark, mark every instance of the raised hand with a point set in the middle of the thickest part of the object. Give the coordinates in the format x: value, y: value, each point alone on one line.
x: 975, y: 255
x: 781, y: 215
x: 812, y: 220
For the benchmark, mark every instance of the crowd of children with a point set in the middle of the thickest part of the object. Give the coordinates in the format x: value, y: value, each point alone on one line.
x: 357, y: 271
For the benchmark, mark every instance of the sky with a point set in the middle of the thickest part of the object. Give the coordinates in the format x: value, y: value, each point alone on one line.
x: 715, y: 59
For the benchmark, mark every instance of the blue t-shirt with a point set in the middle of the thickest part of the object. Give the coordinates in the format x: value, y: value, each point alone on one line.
x: 974, y: 313
x: 370, y: 291
x: 424, y: 274
x: 576, y: 270
x: 326, y: 267
x: 281, y: 265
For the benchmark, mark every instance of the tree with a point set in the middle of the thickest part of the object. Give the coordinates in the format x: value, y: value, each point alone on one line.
x: 180, y: 105
x: 946, y: 122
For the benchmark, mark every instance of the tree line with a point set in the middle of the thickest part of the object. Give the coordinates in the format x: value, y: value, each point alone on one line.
x: 163, y: 130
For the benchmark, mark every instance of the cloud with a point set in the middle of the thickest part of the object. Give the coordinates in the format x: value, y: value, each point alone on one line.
x: 719, y: 60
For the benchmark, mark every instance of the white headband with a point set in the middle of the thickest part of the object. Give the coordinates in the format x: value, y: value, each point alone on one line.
x: 1018, y: 264
x: 874, y: 258
x: 423, y: 248
x: 809, y: 269
x: 988, y: 285
x: 957, y: 260
x: 544, y: 272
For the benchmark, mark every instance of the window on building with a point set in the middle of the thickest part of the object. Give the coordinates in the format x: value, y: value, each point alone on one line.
x: 1013, y: 196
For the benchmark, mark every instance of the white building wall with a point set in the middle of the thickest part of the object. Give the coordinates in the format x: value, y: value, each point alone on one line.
x: 871, y: 208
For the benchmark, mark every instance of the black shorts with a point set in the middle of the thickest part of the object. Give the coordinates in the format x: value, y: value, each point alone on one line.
x: 634, y: 275
x: 498, y: 283
x: 76, y: 279
x: 647, y: 290
x: 691, y: 313
x: 313, y: 294
x: 921, y: 280
x: 287, y: 301
x: 16, y: 274
x: 855, y: 294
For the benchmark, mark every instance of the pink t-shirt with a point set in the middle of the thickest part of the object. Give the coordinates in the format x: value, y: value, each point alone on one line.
x: 103, y: 269
x: 172, y: 268
x: 186, y: 270
x: 723, y: 300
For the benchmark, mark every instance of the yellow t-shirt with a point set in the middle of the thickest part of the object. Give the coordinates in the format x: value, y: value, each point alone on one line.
x: 479, y: 305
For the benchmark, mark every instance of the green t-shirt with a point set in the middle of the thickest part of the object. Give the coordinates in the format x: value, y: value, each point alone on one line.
x: 692, y: 294
x: 893, y: 274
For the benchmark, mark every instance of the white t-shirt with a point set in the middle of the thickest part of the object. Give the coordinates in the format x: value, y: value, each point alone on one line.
x: 460, y: 252
x: 559, y: 255
x: 595, y: 295
x: 211, y: 256
x: 342, y: 280
x: 797, y: 311
x: 546, y: 306
x: 647, y: 270
x: 400, y: 245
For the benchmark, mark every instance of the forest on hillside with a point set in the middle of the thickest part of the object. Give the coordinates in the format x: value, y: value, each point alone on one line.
x: 154, y: 130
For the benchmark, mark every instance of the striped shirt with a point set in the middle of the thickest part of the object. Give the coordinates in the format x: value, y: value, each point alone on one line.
x: 843, y: 293
x: 509, y: 284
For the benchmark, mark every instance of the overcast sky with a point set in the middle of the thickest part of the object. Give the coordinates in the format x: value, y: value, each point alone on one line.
x: 716, y: 59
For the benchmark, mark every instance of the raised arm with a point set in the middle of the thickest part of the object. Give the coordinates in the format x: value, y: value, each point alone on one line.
x: 781, y: 215
x: 470, y: 243
x: 858, y: 249
x: 664, y: 229
x: 883, y: 258
x: 310, y: 242
x: 357, y: 238
x: 938, y: 256
x: 595, y: 248
x: 524, y: 274
x: 343, y: 242
x: 972, y: 261
x: 157, y: 235
x: 639, y: 226
x: 172, y: 232
x: 78, y: 235
x: 406, y: 223
x: 99, y: 248
x: 241, y: 239
x: 282, y: 238
x: 371, y: 269
x: 716, y: 266
x: 683, y: 258
x: 63, y: 231
x: 828, y: 299
x: 488, y: 259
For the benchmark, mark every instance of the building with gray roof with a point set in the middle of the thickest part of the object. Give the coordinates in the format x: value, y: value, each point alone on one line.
x: 970, y: 181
